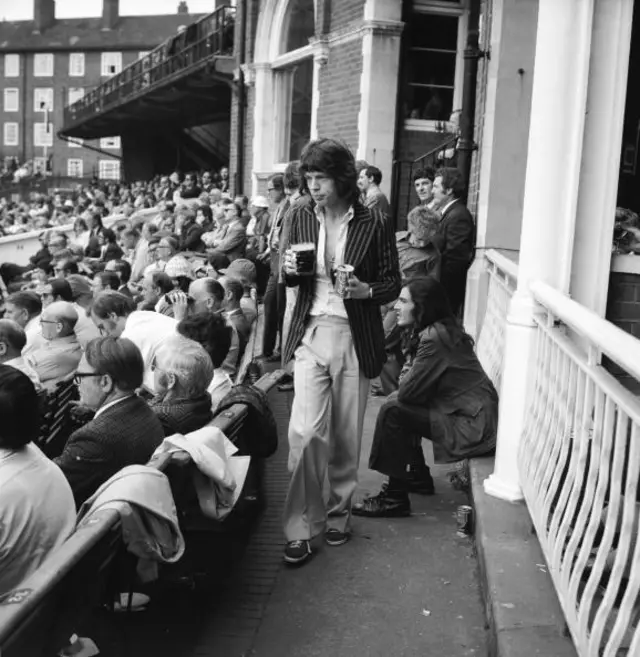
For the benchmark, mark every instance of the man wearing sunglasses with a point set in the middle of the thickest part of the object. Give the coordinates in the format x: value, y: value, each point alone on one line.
x: 124, y: 430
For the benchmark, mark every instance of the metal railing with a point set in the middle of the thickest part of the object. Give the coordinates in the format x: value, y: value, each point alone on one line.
x: 503, y: 279
x: 210, y: 36
x: 579, y: 464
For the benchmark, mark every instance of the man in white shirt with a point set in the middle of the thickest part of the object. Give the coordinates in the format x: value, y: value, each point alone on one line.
x: 24, y: 308
x: 115, y: 315
x: 37, y: 513
x: 12, y: 342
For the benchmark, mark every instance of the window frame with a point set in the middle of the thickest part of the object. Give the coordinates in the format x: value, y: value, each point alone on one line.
x: 43, y: 71
x: 102, y: 165
x: 5, y: 127
x: 75, y: 161
x: 105, y: 62
x: 50, y: 93
x: 13, y: 71
x: 39, y: 131
x: 5, y: 104
x: 436, y: 8
x: 105, y: 143
x: 79, y: 57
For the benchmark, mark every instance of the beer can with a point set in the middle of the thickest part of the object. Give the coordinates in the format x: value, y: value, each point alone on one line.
x: 464, y: 517
x: 343, y: 274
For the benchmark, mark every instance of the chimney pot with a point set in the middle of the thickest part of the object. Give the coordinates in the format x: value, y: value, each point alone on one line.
x: 110, y: 14
x: 44, y: 14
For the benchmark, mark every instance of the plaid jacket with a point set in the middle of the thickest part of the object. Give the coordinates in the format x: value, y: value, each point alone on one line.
x: 125, y: 434
x: 371, y: 250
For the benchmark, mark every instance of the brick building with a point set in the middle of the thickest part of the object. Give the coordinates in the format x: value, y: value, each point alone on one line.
x: 46, y: 64
x: 386, y: 76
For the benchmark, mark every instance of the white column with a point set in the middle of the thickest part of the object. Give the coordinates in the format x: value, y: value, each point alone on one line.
x: 553, y: 165
x: 599, y: 175
x: 378, y: 84
x: 264, y: 121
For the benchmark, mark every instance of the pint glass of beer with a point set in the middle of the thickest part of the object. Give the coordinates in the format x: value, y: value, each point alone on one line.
x: 305, y: 258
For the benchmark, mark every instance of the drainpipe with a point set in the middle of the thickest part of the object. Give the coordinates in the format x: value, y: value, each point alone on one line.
x: 472, y: 54
x: 242, y: 100
x: 23, y: 106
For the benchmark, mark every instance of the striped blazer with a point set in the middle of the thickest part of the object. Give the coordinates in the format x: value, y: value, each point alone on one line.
x: 371, y: 250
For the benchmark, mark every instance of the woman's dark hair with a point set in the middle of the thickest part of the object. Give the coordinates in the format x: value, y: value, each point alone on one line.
x: 292, y: 178
x: 109, y: 235
x: 430, y: 300
x: 206, y: 211
x: 211, y: 331
x: 123, y: 269
x: 182, y: 283
x: 160, y: 280
x: 18, y: 409
x: 109, y: 279
x: 119, y: 358
x: 334, y: 159
x: 80, y: 223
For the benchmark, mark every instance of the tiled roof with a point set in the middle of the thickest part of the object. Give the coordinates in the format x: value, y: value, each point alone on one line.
x: 78, y: 34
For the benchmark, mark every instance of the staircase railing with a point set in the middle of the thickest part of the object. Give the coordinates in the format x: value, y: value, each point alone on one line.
x: 209, y: 36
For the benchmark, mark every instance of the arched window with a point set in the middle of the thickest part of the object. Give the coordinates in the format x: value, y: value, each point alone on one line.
x: 295, y: 80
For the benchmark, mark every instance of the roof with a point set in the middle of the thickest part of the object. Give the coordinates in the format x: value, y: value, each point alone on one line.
x: 80, y: 34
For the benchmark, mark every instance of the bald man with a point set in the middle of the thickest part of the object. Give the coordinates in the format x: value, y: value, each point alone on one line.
x: 57, y: 359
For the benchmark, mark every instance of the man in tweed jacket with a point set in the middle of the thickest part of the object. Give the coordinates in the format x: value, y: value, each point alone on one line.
x: 338, y: 343
x: 124, y: 430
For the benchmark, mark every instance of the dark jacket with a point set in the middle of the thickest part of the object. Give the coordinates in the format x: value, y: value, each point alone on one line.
x: 446, y: 383
x: 371, y: 250
x: 458, y: 233
x: 183, y: 415
x: 191, y: 238
x: 125, y: 434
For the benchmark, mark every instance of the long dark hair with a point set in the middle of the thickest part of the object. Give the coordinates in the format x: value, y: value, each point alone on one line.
x: 334, y: 159
x: 431, y: 306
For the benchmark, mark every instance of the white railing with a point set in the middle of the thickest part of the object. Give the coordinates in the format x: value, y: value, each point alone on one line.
x: 503, y: 278
x: 579, y: 464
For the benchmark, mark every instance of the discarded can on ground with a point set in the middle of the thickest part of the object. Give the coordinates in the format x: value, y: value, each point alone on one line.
x: 464, y: 516
x: 343, y: 274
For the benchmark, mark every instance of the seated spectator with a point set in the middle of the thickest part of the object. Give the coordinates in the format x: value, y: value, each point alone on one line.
x: 233, y: 294
x: 12, y: 342
x: 59, y: 355
x: 105, y: 280
x: 115, y: 315
x: 154, y: 256
x: 189, y: 189
x: 245, y: 271
x: 190, y: 231
x: 180, y: 271
x: 204, y: 218
x: 124, y: 430
x: 64, y: 268
x: 154, y: 286
x: 37, y: 513
x: 109, y: 249
x: 24, y: 308
x: 183, y: 372
x: 230, y: 240
x: 214, y: 334
x: 82, y: 298
x: 57, y: 290
x: 444, y: 395
x: 122, y: 269
x: 81, y: 233
x: 420, y: 245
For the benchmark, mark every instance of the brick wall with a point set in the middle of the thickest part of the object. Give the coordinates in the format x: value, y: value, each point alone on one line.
x: 344, y: 12
x: 340, y: 93
x: 623, y: 310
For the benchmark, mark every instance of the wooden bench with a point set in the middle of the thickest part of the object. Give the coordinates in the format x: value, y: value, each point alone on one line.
x: 38, y: 617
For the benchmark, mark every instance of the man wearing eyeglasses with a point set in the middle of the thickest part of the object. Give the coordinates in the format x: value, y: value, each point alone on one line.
x: 59, y: 355
x: 124, y: 430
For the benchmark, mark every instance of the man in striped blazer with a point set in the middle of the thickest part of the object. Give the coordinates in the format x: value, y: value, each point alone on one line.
x: 338, y: 343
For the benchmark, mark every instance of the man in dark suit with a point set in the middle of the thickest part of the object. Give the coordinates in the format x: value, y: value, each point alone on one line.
x: 458, y: 232
x: 124, y: 430
x: 338, y: 342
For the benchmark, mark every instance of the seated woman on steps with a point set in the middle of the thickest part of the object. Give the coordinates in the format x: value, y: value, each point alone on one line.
x: 444, y: 395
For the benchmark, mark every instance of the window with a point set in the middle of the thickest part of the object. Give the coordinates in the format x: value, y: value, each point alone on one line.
x: 10, y: 134
x: 43, y: 134
x: 42, y: 99
x: 433, y: 83
x: 76, y: 64
x: 109, y: 169
x: 110, y: 142
x: 74, y: 142
x: 111, y: 63
x: 143, y: 53
x: 11, y: 66
x: 43, y: 65
x: 74, y: 167
x: 75, y: 94
x: 11, y: 100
